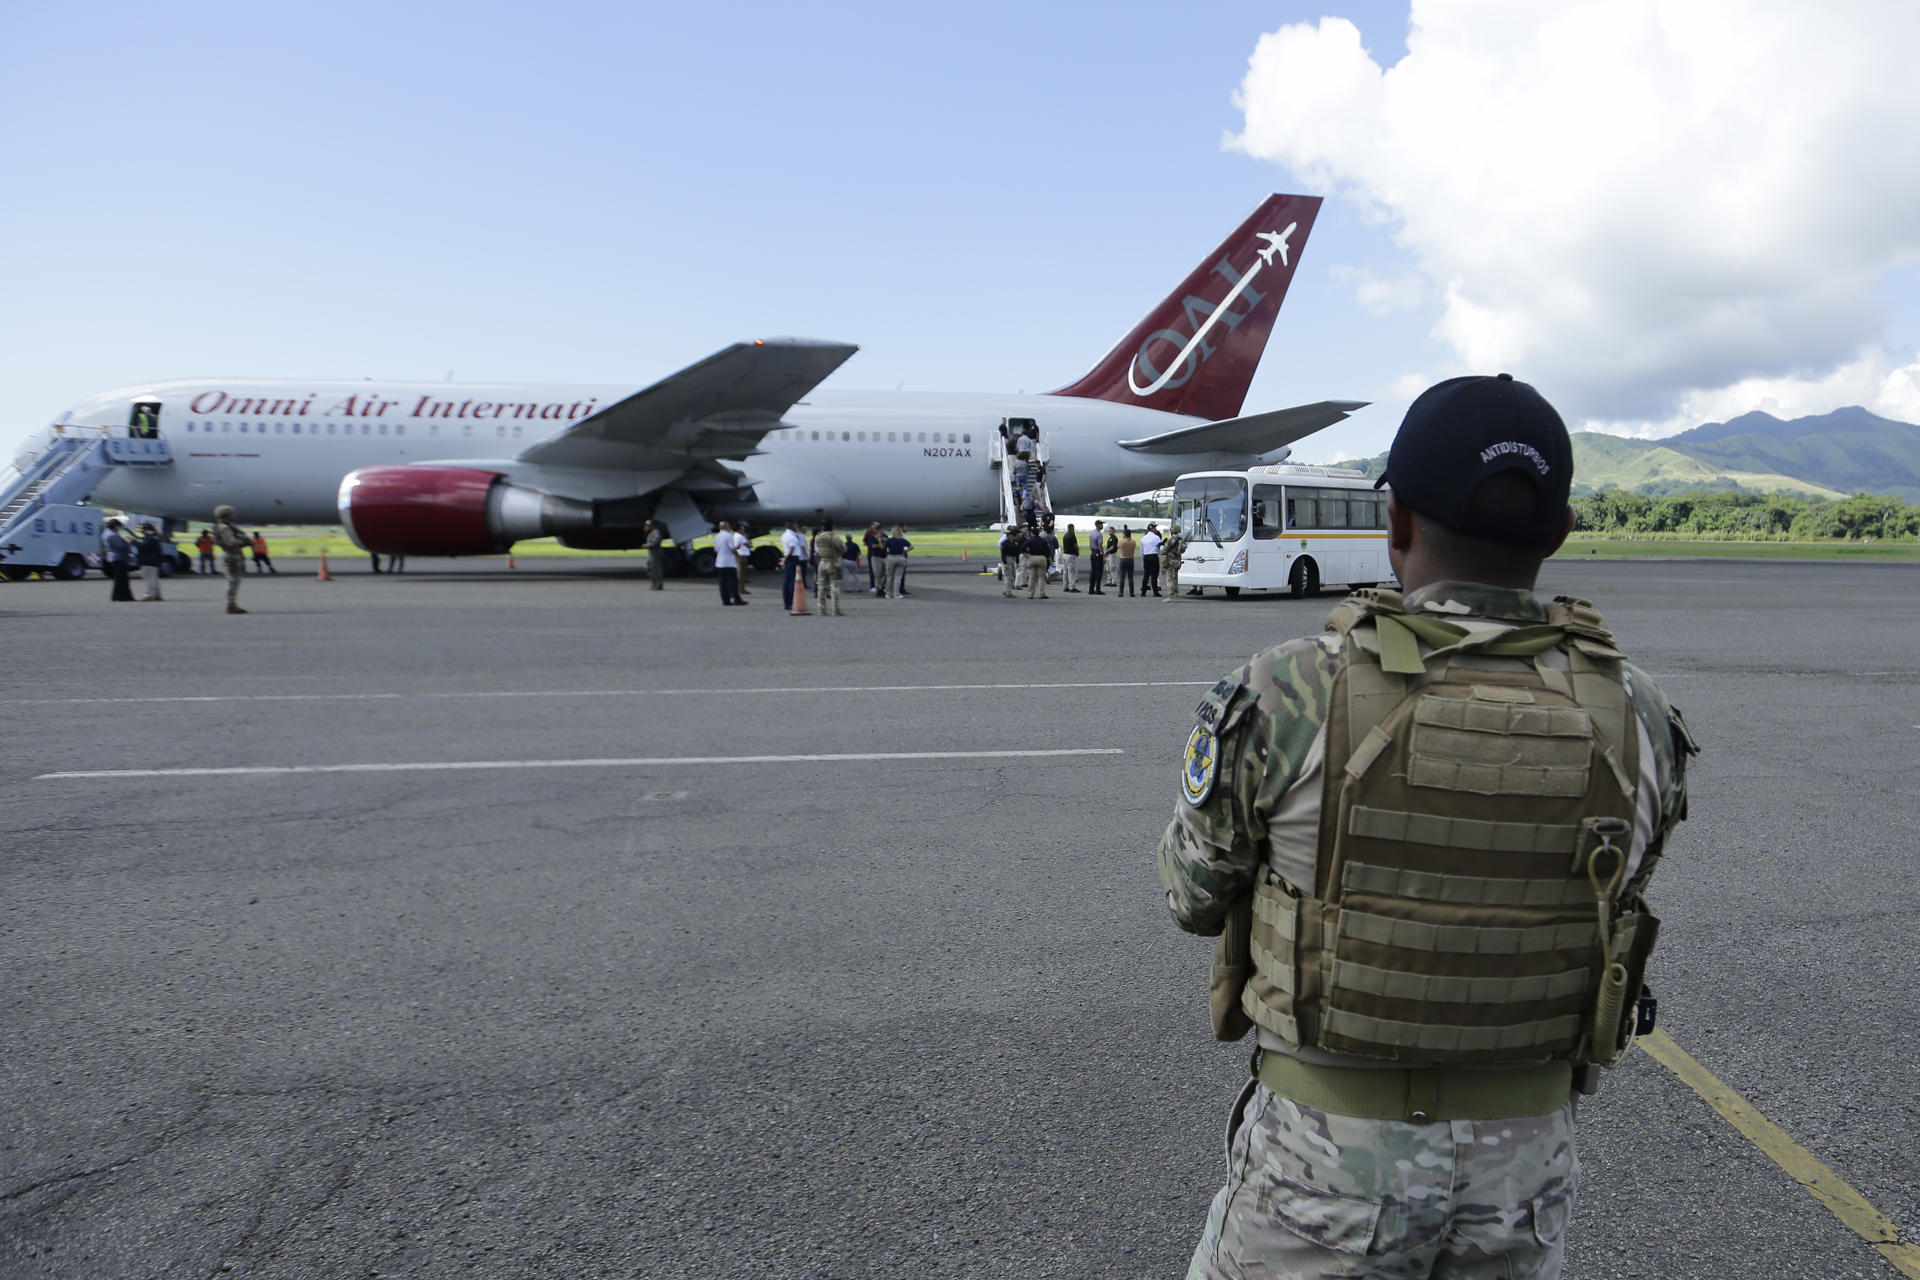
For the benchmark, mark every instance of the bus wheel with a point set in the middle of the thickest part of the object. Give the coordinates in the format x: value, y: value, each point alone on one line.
x: 1233, y: 593
x: 1305, y: 578
x: 72, y: 566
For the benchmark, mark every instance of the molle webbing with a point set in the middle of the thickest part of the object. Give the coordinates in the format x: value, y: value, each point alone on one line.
x: 1452, y: 921
x: 1438, y: 1040
x: 1466, y: 939
x: 1463, y: 833
x: 1444, y: 990
x: 1485, y: 891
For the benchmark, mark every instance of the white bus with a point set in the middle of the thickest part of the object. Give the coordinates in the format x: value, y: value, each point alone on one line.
x: 1290, y: 528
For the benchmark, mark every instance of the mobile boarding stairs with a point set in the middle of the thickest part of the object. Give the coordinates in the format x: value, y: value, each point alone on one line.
x: 45, y: 522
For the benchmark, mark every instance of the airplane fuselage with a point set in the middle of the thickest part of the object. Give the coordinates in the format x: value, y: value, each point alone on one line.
x: 277, y: 450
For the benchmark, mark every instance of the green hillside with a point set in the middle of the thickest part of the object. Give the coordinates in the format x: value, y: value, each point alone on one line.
x: 1849, y: 449
x: 1602, y: 462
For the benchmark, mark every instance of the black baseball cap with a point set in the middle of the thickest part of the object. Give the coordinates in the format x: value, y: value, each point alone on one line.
x: 1465, y: 430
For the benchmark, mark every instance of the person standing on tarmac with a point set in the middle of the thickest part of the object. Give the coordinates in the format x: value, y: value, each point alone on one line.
x: 876, y: 543
x: 150, y: 552
x: 1171, y: 550
x: 1035, y: 547
x: 656, y: 555
x: 233, y: 545
x: 116, y: 557
x: 1150, y: 560
x: 829, y: 547
x: 1097, y: 559
x: 1125, y: 551
x: 897, y: 549
x: 793, y: 559
x: 262, y: 562
x: 726, y: 563
x: 204, y: 545
x: 1011, y: 547
x: 1423, y: 838
x: 1070, y: 560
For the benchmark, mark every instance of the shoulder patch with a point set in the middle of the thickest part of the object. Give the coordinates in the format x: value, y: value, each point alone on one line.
x: 1198, y: 765
x: 1213, y: 709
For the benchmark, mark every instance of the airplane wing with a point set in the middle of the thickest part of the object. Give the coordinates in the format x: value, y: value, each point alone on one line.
x: 1254, y: 433
x: 719, y: 407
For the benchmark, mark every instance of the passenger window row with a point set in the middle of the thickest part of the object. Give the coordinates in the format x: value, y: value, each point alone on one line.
x: 903, y: 437
x: 331, y: 428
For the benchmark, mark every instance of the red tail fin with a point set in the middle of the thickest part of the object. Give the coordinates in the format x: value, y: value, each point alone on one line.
x: 1196, y: 353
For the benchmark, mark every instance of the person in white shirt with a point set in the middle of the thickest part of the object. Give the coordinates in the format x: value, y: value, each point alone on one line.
x: 1150, y: 560
x: 742, y: 559
x: 726, y: 561
x: 793, y: 554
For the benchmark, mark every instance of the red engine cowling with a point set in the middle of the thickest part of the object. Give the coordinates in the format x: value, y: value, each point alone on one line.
x: 419, y: 511
x: 450, y: 511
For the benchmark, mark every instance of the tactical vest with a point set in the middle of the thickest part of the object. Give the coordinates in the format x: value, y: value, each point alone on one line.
x: 1475, y: 827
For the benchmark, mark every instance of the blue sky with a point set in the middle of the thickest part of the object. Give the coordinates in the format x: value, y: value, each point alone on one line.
x: 984, y: 196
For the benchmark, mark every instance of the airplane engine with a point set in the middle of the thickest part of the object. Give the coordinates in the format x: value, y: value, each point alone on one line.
x: 450, y: 511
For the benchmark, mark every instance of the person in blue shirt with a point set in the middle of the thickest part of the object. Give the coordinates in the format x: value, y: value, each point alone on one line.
x: 897, y: 548
x: 116, y: 557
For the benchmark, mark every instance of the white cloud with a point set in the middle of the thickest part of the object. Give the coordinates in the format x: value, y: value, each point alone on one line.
x: 1646, y: 208
x: 1382, y: 295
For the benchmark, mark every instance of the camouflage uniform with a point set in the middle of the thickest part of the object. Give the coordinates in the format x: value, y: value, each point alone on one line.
x: 829, y: 547
x: 233, y: 544
x: 1309, y: 1193
x: 1170, y: 552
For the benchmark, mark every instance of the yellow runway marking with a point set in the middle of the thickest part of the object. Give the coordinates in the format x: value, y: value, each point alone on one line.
x: 1822, y: 1183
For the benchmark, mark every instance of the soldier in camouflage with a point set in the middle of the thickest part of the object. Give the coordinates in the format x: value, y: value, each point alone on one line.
x: 1171, y: 551
x: 830, y: 547
x: 233, y: 544
x: 1430, y: 982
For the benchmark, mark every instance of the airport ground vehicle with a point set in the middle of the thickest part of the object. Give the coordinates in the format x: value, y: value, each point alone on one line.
x: 1281, y: 528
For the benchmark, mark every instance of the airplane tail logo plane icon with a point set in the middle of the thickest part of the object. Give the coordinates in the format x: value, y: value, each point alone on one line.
x: 1196, y: 353
x: 1276, y: 243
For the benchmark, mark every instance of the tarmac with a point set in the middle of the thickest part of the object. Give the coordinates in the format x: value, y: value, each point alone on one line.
x: 563, y: 927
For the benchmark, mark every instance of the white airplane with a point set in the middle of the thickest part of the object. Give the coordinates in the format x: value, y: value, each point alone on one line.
x: 744, y: 435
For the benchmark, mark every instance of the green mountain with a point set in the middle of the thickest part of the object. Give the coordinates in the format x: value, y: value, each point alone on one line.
x: 1832, y: 455
x: 1849, y: 449
x: 1657, y: 469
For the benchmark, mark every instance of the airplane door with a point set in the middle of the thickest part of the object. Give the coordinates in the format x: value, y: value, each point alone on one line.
x: 143, y: 422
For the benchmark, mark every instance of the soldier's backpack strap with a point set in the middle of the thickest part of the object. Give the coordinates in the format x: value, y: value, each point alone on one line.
x: 1364, y: 604
x: 1584, y: 626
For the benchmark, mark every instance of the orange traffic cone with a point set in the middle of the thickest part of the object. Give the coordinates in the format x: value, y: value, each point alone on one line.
x: 324, y: 575
x: 799, y: 609
x: 509, y: 559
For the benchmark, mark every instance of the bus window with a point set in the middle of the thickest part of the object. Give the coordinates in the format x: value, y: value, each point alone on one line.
x: 1266, y: 511
x: 1299, y: 508
x: 1331, y: 507
x: 1211, y: 507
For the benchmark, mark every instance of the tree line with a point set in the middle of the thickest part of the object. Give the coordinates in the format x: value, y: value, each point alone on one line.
x: 1781, y: 517
x: 1864, y: 517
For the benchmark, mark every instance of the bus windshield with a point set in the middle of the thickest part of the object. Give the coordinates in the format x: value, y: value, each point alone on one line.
x: 1213, y: 508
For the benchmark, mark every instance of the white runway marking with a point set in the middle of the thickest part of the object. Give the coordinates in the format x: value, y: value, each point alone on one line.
x: 610, y: 693
x: 633, y: 762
